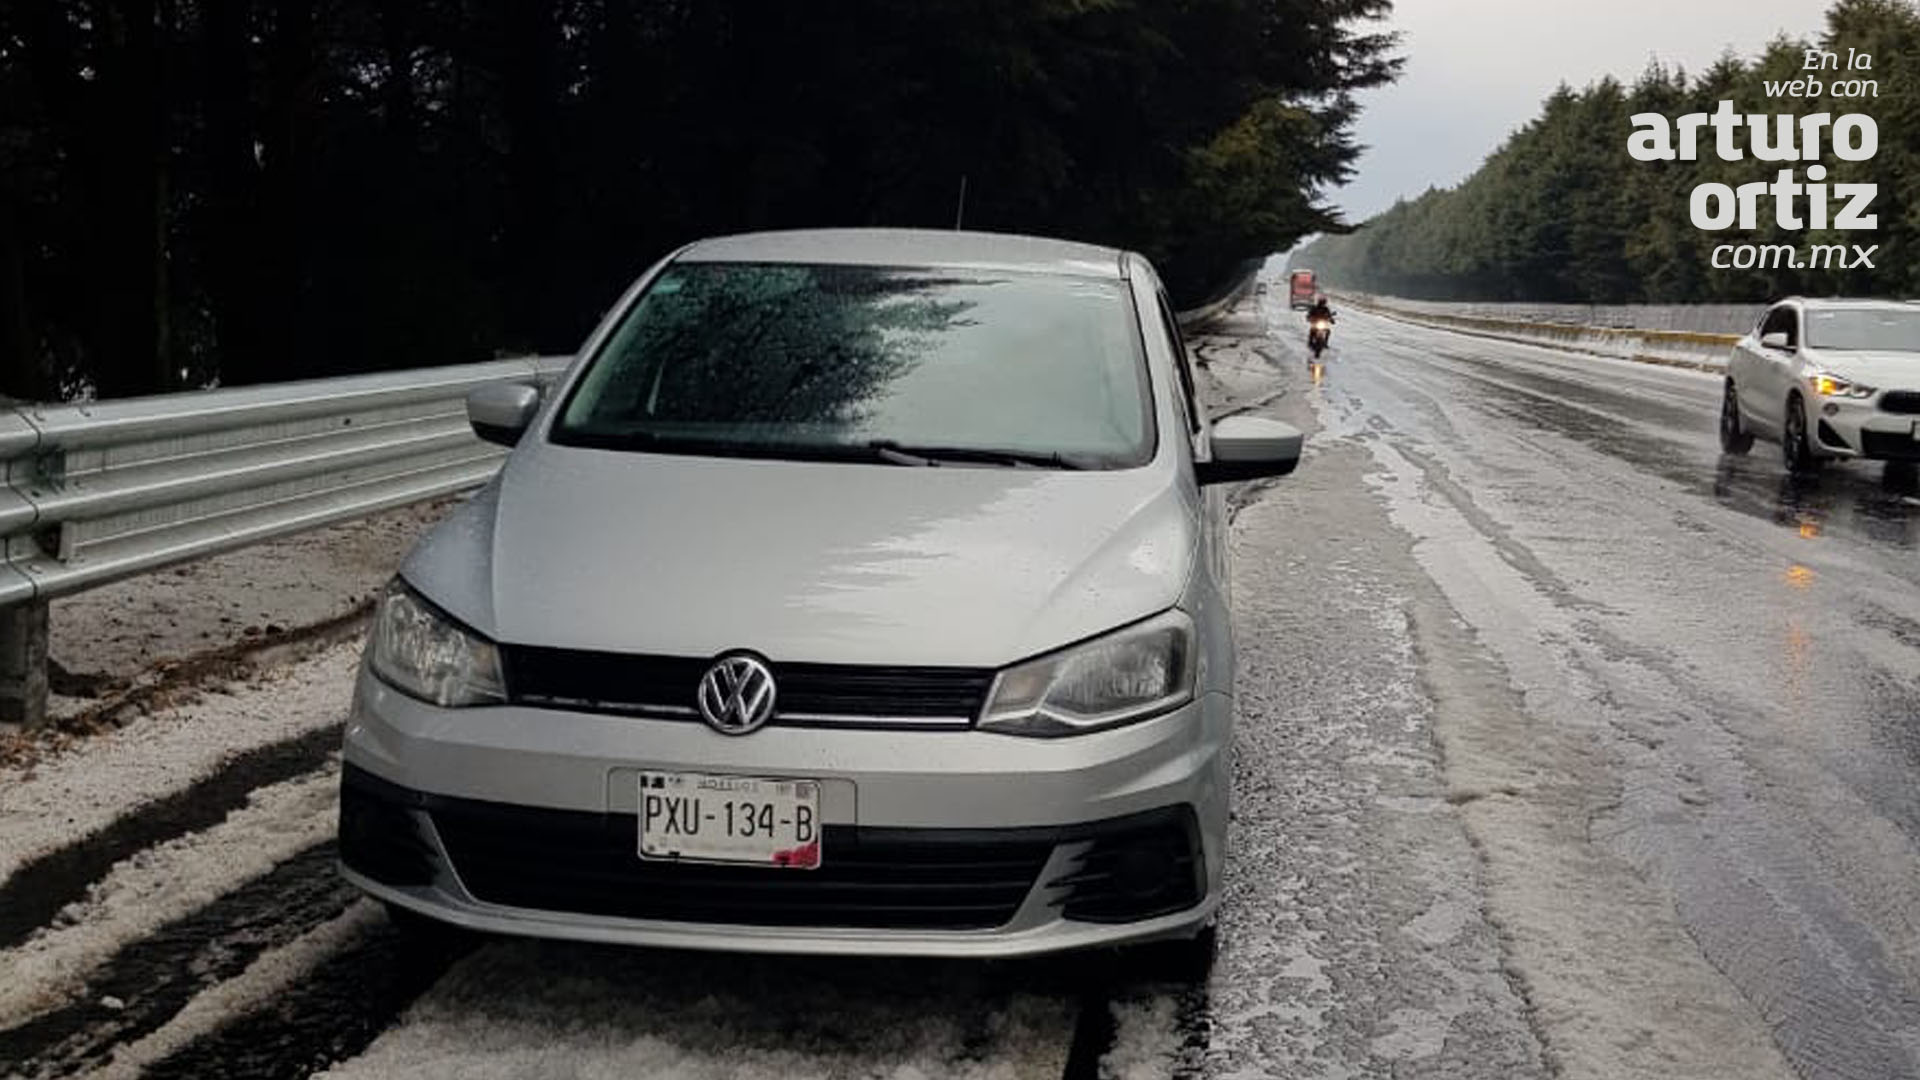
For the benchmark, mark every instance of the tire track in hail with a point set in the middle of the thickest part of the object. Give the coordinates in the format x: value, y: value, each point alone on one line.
x: 36, y: 893
x: 152, y: 978
x: 332, y: 1014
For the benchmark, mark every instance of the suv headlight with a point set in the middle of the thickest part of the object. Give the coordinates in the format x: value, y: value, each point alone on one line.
x: 1129, y: 675
x: 1835, y: 386
x: 422, y: 653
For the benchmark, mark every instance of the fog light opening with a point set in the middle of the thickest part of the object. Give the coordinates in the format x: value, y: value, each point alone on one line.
x: 1144, y: 872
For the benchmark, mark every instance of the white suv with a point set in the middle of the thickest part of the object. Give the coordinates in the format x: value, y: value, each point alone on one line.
x: 1827, y: 379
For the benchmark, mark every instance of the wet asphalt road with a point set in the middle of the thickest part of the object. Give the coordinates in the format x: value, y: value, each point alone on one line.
x: 1568, y: 748
x: 1676, y: 697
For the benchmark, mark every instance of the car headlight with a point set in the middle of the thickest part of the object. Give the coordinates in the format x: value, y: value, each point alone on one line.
x: 422, y: 653
x: 1835, y: 386
x: 1131, y: 674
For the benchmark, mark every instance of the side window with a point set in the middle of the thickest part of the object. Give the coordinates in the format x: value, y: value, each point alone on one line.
x: 1191, y: 406
x: 1783, y: 320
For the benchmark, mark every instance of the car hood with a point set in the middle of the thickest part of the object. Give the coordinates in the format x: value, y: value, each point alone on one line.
x: 805, y: 561
x: 1880, y: 370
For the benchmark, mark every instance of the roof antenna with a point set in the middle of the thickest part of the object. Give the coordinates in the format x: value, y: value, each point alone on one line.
x: 960, y: 211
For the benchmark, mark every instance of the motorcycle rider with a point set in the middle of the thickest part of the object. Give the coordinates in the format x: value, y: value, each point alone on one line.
x: 1319, y: 311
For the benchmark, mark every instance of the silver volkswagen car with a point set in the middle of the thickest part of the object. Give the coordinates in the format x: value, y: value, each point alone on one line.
x: 856, y: 591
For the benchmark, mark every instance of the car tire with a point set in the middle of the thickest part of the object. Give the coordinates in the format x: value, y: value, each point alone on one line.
x: 1902, y: 477
x: 1734, y: 436
x: 424, y: 937
x: 1183, y: 963
x: 1795, y: 448
x: 1186, y: 961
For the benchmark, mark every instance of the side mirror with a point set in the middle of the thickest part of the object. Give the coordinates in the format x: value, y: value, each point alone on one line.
x: 1249, y: 448
x: 1776, y: 340
x: 501, y: 412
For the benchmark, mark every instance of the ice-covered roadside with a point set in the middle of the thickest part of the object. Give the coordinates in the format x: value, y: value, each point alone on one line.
x: 1727, y: 652
x: 543, y: 1009
x: 94, y: 782
x: 162, y: 884
x: 1615, y: 984
x: 1354, y: 940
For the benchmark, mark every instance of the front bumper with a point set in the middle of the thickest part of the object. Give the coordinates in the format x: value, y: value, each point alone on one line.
x: 523, y: 821
x: 1845, y: 428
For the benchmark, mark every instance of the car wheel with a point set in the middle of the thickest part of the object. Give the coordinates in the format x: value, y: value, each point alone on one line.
x: 1186, y: 961
x: 1900, y: 476
x: 1734, y: 437
x: 1795, y: 449
x: 424, y: 938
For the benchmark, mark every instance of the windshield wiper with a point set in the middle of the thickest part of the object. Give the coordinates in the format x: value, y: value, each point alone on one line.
x: 910, y: 454
x: 887, y: 451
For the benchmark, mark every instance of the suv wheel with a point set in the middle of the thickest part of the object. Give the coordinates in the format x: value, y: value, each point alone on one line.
x: 1734, y: 437
x: 1795, y: 448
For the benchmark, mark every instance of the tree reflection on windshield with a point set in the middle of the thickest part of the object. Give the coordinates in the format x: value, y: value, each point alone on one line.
x: 835, y: 357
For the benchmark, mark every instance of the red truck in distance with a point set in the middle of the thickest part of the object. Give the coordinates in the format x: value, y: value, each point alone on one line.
x: 1301, y: 289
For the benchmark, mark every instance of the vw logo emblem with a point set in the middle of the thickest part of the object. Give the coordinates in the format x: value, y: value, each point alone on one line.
x: 735, y: 696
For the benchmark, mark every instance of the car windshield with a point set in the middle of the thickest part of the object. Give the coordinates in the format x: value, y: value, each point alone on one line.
x: 1890, y: 330
x: 906, y: 366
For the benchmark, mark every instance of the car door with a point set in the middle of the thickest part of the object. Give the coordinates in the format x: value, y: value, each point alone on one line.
x: 1743, y: 364
x: 1748, y: 370
x: 1785, y: 363
x: 1771, y: 372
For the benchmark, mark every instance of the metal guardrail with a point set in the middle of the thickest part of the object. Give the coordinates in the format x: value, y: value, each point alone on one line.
x: 105, y: 490
x: 1696, y: 349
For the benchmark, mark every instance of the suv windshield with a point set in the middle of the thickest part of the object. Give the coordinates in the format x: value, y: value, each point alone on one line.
x: 1879, y: 330
x: 903, y: 366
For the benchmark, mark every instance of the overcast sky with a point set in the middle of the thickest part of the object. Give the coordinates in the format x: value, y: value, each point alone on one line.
x: 1479, y: 69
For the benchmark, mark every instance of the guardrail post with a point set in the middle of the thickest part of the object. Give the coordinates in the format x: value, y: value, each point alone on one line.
x: 23, y: 663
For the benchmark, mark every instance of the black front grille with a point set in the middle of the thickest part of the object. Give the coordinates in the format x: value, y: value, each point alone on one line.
x: 637, y: 683
x: 1889, y: 446
x: 1901, y: 401
x: 556, y: 860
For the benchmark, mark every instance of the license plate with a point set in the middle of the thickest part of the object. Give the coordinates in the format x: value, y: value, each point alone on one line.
x: 699, y: 817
